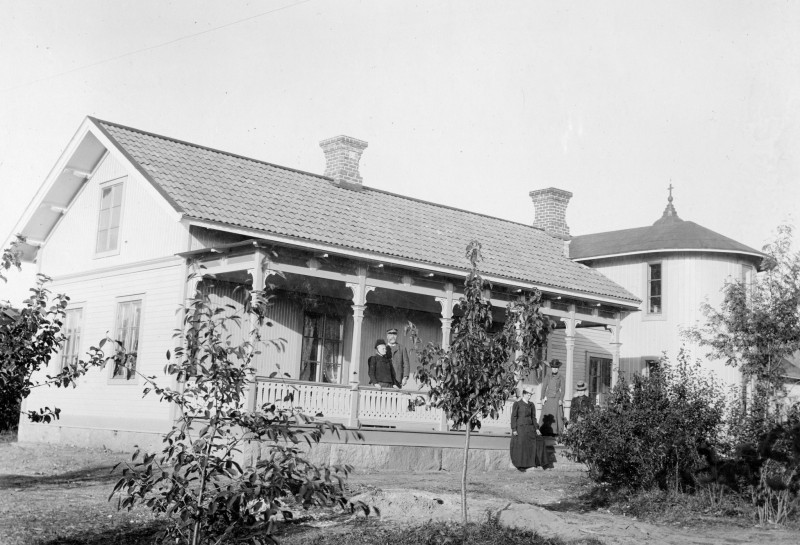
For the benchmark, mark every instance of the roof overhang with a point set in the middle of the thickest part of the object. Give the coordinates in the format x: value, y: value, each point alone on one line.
x: 401, y: 262
x: 756, y: 255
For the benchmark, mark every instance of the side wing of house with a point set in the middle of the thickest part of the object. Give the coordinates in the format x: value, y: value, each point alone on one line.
x: 673, y: 287
x: 111, y: 249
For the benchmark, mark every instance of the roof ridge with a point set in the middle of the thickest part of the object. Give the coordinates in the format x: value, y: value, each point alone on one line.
x: 327, y: 178
x: 207, y: 148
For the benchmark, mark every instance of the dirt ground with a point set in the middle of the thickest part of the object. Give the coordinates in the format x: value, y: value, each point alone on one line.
x: 57, y: 494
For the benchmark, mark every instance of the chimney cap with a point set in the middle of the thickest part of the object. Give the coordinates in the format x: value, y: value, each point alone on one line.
x: 551, y: 191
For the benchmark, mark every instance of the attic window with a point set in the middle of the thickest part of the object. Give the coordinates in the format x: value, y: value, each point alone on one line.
x: 109, y: 219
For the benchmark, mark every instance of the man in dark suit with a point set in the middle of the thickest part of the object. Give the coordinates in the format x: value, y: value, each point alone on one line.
x: 400, y: 360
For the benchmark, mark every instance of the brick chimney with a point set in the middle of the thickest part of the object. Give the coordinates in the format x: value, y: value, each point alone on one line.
x: 550, y: 211
x: 342, y: 154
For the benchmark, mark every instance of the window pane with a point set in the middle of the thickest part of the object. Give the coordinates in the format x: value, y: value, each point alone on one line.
x: 115, y: 214
x: 104, y: 220
x: 117, y: 198
x: 332, y: 328
x: 655, y: 271
x: 112, y: 238
x: 655, y: 288
x: 332, y: 373
x: 310, y: 326
x: 105, y: 198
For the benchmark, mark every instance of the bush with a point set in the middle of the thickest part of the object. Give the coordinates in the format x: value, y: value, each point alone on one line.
x: 653, y: 430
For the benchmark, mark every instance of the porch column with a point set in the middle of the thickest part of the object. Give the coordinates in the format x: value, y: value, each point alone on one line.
x: 615, y: 351
x: 360, y: 291
x: 447, y: 305
x: 569, y: 342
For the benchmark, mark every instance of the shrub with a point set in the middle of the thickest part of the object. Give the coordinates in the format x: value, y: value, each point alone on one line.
x: 209, y: 491
x: 653, y: 429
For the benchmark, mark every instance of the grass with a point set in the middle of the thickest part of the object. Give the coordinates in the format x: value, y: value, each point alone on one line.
x: 367, y: 532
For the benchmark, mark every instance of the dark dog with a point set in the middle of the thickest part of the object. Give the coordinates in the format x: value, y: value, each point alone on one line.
x: 546, y: 429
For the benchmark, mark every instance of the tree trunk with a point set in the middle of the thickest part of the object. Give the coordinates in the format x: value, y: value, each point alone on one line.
x: 464, y: 477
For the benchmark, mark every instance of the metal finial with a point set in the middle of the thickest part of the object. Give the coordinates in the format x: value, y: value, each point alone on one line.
x: 670, y: 192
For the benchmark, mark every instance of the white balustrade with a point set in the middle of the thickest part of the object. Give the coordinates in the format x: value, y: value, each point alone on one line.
x: 330, y: 401
x: 393, y: 406
x: 376, y: 406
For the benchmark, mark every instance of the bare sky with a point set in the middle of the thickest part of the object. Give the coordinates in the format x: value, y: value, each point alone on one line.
x: 469, y: 104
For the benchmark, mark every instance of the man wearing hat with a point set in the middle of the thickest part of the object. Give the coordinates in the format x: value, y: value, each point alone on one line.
x: 553, y: 396
x: 581, y: 404
x: 400, y: 360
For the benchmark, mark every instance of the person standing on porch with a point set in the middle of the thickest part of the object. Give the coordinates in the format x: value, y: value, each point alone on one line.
x: 400, y: 360
x: 553, y: 396
x: 380, y: 368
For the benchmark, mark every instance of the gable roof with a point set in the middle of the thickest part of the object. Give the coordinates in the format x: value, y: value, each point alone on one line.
x: 209, y: 185
x: 668, y: 234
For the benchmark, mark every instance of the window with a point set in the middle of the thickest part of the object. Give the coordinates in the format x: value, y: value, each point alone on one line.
x: 70, y: 350
x: 322, y: 349
x: 109, y: 219
x: 650, y: 366
x: 599, y: 378
x: 126, y: 335
x: 654, y: 289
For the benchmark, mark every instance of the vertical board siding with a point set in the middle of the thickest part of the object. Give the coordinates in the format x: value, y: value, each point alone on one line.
x: 690, y: 278
x: 147, y: 229
x: 378, y: 319
x: 97, y: 396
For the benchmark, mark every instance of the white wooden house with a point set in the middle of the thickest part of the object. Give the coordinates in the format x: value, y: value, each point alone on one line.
x: 124, y: 214
x: 673, y: 266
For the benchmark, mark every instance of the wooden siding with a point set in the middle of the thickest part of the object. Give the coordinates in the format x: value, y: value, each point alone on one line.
x: 689, y: 279
x: 147, y: 230
x: 588, y: 340
x: 100, y: 401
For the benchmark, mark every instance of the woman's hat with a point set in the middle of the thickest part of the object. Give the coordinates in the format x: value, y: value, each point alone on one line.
x: 379, y: 342
x: 580, y: 386
x: 527, y: 391
x: 555, y: 364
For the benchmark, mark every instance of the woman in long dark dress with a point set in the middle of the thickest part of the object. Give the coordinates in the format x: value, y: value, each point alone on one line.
x: 527, y: 448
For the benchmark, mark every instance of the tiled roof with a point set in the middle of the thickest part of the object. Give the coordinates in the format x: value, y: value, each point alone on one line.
x: 211, y: 185
x: 668, y: 233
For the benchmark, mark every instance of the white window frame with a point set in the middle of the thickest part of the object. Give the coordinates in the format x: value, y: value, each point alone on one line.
x: 75, y: 351
x: 121, y: 182
x: 661, y: 314
x: 113, y: 334
x: 589, y: 383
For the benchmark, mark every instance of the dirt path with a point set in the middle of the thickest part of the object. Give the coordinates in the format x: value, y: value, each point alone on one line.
x: 401, y: 505
x: 59, y: 494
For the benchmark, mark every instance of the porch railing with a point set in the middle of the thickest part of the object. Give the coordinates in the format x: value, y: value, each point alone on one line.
x: 373, y: 406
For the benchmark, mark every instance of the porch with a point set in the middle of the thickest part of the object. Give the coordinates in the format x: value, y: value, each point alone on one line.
x: 328, y: 310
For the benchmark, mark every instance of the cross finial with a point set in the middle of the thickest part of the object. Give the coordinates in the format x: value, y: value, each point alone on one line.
x: 670, y: 192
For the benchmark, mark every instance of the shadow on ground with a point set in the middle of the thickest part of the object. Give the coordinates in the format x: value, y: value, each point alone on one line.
x: 94, y: 474
x: 119, y: 536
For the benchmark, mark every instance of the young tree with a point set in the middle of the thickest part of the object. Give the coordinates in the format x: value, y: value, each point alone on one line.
x: 210, y: 491
x: 758, y: 323
x: 477, y: 375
